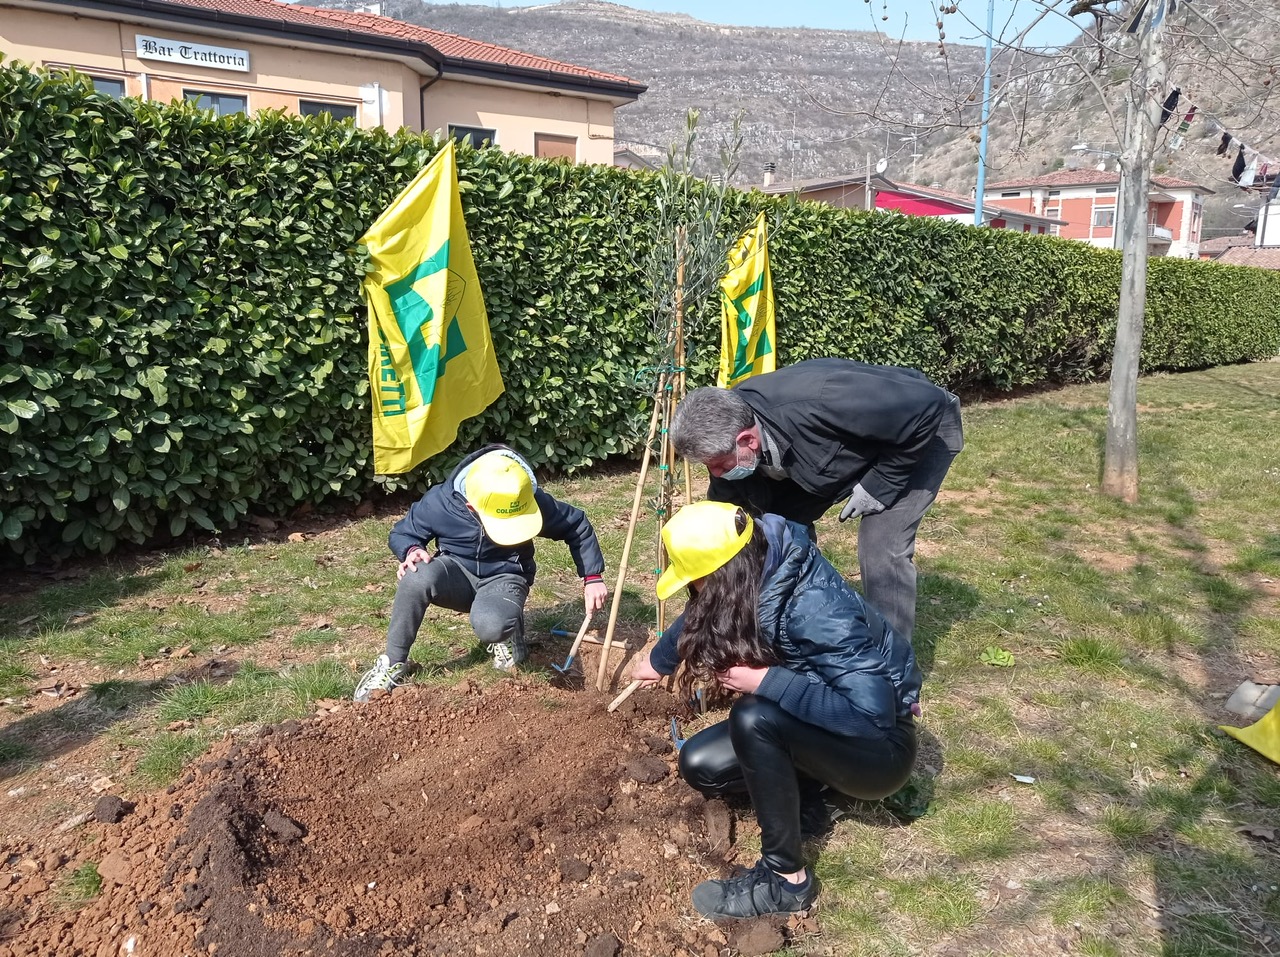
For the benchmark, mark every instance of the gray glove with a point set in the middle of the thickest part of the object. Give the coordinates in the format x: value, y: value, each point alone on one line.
x: 860, y: 503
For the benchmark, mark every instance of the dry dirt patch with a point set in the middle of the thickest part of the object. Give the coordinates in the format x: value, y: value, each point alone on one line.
x: 515, y: 819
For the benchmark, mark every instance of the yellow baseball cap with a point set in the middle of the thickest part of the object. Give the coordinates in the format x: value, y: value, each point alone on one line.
x: 700, y: 538
x: 500, y: 490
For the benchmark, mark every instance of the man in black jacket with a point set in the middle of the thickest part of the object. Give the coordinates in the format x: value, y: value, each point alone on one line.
x: 796, y: 441
x: 483, y: 520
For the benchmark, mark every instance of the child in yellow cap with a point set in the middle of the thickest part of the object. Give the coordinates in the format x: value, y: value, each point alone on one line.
x: 828, y: 692
x: 483, y: 520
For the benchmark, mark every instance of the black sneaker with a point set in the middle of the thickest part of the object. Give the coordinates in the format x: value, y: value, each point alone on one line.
x: 755, y: 893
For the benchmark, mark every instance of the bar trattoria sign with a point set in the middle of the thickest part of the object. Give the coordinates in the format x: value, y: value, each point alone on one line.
x: 191, y: 54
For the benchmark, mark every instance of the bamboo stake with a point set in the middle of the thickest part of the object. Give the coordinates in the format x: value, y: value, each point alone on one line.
x: 613, y: 705
x: 626, y: 548
x: 681, y: 379
x: 666, y: 491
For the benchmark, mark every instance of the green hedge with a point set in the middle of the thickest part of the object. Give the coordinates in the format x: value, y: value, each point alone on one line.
x: 184, y: 342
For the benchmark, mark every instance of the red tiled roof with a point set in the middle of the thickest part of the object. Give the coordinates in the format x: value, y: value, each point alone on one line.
x: 453, y: 47
x: 1090, y: 177
x: 1267, y: 257
x: 1223, y: 243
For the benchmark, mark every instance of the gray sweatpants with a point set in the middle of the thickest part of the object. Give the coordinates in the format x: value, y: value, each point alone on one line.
x: 496, y: 604
x: 887, y: 540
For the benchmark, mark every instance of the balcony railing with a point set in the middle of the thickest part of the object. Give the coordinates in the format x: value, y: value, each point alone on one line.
x: 1161, y: 234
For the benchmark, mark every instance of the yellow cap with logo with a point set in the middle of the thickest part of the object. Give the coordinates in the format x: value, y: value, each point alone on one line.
x: 500, y: 489
x: 700, y: 538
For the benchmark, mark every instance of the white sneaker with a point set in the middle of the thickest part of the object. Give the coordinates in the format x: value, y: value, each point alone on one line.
x: 383, y: 676
x: 508, y: 654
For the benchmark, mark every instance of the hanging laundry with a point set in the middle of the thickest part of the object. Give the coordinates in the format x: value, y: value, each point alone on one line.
x: 1237, y: 168
x: 1132, y: 25
x: 1225, y: 144
x: 1170, y: 104
x: 1250, y: 173
x: 1178, y: 138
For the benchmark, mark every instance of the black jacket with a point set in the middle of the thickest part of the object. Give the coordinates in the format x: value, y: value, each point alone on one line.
x: 842, y: 667
x: 837, y: 423
x: 442, y: 516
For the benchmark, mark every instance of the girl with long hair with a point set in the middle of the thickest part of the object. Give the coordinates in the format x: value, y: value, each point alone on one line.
x: 827, y: 692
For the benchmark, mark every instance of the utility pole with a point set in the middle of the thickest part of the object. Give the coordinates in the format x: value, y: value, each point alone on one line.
x: 1141, y: 120
x: 986, y: 114
x: 793, y: 147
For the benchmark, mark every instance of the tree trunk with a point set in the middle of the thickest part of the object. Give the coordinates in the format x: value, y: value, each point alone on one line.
x: 1142, y: 117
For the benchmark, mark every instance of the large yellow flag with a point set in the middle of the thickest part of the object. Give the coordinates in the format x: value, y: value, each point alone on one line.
x: 747, y: 333
x: 431, y: 360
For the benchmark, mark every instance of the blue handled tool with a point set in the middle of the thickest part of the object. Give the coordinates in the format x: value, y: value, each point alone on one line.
x: 675, y: 736
x: 568, y: 662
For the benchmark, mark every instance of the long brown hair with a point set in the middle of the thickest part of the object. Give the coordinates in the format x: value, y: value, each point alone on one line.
x: 721, y: 619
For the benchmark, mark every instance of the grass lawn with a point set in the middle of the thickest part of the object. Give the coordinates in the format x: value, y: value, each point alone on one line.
x: 1080, y: 643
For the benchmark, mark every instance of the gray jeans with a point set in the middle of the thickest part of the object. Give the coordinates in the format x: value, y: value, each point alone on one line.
x: 496, y: 604
x: 887, y: 540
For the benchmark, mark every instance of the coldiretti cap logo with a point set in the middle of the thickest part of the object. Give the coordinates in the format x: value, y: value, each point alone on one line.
x: 501, y: 492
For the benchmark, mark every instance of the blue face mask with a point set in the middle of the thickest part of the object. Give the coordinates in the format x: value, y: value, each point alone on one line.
x: 740, y: 471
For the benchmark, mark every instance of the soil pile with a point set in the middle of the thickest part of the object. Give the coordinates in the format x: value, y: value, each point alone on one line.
x: 514, y: 819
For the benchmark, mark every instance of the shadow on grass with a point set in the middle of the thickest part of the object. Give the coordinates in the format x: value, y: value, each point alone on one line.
x: 942, y: 604
x: 46, y: 735
x: 1210, y: 894
x: 73, y: 597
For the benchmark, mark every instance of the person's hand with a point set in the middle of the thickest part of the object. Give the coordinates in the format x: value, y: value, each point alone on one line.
x: 741, y: 678
x: 860, y: 503
x: 643, y: 672
x: 594, y: 595
x: 417, y: 556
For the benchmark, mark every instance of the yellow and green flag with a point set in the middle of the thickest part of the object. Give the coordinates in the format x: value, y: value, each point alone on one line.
x: 747, y: 333
x: 431, y: 359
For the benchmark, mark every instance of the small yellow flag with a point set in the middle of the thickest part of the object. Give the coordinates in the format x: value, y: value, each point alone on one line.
x: 747, y: 333
x: 431, y: 359
x: 1263, y: 735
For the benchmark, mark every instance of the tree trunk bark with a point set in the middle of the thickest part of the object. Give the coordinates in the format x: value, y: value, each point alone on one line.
x: 1142, y: 118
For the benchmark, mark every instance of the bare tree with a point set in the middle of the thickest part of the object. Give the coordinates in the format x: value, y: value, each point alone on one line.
x: 1129, y: 54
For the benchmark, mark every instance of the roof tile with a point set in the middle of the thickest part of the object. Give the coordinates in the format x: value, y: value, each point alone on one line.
x: 453, y: 47
x: 1265, y: 257
x: 1089, y: 177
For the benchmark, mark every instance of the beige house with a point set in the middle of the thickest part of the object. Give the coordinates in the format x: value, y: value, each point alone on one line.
x: 244, y: 55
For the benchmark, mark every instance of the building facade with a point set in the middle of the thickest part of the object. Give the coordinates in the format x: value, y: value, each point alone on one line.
x: 943, y: 204
x: 868, y: 190
x: 249, y: 55
x: 1085, y: 200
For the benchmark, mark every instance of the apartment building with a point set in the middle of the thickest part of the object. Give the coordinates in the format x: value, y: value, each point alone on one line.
x: 865, y: 189
x: 1085, y: 201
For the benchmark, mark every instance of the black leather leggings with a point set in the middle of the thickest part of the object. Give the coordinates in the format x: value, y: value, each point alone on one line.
x: 775, y: 758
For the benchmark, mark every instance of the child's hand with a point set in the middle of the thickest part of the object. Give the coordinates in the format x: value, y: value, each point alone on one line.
x: 415, y: 557
x: 594, y: 595
x: 741, y: 678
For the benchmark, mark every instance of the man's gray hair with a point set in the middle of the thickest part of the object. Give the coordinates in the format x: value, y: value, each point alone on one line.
x: 707, y: 422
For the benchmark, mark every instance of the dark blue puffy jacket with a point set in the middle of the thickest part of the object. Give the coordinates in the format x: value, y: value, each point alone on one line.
x: 442, y: 516
x: 842, y: 667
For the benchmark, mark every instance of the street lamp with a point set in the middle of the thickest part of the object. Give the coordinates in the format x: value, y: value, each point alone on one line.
x: 915, y: 154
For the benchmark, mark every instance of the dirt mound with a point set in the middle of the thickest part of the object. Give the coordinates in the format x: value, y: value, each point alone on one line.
x: 515, y: 819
